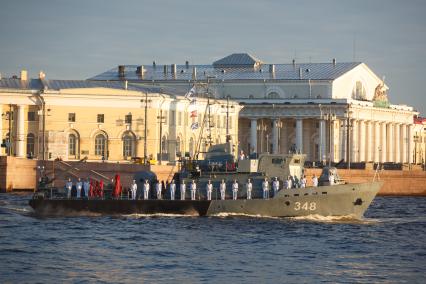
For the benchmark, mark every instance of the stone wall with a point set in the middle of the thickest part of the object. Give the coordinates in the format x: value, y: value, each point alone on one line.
x: 17, y: 173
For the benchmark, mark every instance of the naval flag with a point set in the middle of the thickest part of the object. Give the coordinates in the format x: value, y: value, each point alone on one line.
x: 194, y: 126
x: 190, y: 93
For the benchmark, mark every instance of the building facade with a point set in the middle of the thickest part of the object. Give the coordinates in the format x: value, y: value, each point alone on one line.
x: 108, y: 121
x: 330, y: 111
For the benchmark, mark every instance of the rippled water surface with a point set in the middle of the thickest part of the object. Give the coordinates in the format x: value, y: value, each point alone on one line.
x: 388, y: 246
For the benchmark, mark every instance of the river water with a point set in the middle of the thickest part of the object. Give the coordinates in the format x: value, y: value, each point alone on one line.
x: 387, y: 246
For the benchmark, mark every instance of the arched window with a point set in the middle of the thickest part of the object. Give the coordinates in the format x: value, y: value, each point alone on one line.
x: 191, y: 146
x: 72, y: 144
x: 100, y: 145
x: 273, y: 95
x: 178, y: 150
x: 128, y: 145
x: 30, y: 145
x: 164, y: 145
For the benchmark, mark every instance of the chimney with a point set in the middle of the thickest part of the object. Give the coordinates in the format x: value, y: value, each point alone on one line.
x: 300, y: 72
x: 125, y: 85
x: 153, y: 64
x: 165, y: 69
x: 194, y: 73
x: 271, y: 68
x: 294, y: 62
x: 41, y: 75
x: 140, y: 70
x: 187, y: 64
x: 173, y: 68
x: 24, y: 75
x: 334, y: 61
x: 121, y: 69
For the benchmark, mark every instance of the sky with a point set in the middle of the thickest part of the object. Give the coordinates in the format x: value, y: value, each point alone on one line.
x: 81, y: 38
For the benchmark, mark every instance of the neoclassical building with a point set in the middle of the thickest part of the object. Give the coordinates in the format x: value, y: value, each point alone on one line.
x: 111, y: 121
x: 331, y: 111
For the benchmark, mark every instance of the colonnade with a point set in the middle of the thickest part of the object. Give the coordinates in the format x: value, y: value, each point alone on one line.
x: 368, y: 140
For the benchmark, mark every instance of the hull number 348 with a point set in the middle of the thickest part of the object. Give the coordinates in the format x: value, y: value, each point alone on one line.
x: 307, y: 206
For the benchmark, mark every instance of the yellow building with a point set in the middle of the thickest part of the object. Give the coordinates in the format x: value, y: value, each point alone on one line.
x: 108, y: 120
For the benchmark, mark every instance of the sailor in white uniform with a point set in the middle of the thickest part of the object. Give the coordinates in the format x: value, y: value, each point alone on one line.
x: 303, y: 182
x: 193, y: 189
x: 86, y: 187
x: 265, y: 188
x: 289, y: 183
x: 331, y: 178
x: 222, y: 189
x: 315, y: 181
x: 235, y: 190
x: 276, y: 186
x: 209, y: 189
x: 146, y: 190
x: 249, y: 188
x: 158, y: 189
x: 79, y: 186
x: 172, y: 190
x: 68, y: 187
x: 182, y: 190
x: 133, y: 189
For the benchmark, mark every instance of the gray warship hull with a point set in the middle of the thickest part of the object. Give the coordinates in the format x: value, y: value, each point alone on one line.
x: 337, y: 200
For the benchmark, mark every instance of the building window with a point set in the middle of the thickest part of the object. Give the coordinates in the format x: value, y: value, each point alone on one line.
x: 100, y: 118
x: 178, y: 150
x: 359, y: 92
x: 72, y: 144
x: 164, y: 144
x: 191, y: 146
x: 71, y: 117
x: 31, y: 116
x: 128, y: 118
x: 30, y: 145
x: 128, y: 145
x: 172, y: 117
x: 273, y: 95
x: 180, y: 118
x: 100, y: 145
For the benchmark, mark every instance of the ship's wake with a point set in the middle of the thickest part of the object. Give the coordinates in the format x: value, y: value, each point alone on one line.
x: 334, y: 219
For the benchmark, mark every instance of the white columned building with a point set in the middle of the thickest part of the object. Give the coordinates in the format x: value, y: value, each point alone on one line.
x: 305, y: 98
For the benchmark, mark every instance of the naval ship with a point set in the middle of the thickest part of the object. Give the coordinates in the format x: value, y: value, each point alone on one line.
x: 337, y: 199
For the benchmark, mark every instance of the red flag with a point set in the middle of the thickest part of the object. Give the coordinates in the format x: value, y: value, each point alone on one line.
x: 101, y: 189
x: 117, y: 187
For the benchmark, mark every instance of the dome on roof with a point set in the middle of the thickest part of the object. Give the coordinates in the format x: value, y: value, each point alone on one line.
x: 237, y: 60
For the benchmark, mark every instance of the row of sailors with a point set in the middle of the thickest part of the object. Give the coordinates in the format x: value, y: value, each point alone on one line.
x: 288, y: 184
x: 87, y: 188
x: 291, y: 182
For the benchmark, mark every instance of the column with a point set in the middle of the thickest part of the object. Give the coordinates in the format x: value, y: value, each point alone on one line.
x: 370, y: 142
x: 20, y: 134
x: 383, y: 143
x: 353, y: 148
x: 404, y: 143
x: 410, y: 143
x: 343, y: 139
x: 322, y: 141
x: 362, y: 138
x: 391, y: 150
x: 253, y: 135
x: 397, y: 143
x: 377, y: 147
x: 299, y: 135
x: 275, y: 124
